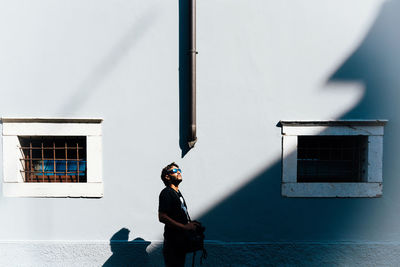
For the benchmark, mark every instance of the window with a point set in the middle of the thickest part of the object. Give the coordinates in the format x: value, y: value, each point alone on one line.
x: 332, y: 158
x: 52, y: 157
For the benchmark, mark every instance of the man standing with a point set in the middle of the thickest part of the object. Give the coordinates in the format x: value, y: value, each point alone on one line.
x: 172, y: 211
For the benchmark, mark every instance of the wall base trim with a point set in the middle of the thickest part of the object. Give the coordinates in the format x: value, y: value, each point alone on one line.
x: 145, y: 253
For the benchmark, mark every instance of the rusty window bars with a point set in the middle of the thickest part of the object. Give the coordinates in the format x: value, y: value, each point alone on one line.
x: 53, y: 159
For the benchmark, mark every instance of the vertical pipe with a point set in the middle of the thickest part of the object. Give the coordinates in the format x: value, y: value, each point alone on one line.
x: 193, y: 52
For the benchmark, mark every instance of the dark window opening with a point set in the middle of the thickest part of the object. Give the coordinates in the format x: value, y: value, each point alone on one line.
x: 53, y: 159
x: 331, y: 159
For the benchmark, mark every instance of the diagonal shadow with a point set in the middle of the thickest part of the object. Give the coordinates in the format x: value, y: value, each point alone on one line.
x: 109, y: 62
x: 377, y: 64
x: 257, y: 212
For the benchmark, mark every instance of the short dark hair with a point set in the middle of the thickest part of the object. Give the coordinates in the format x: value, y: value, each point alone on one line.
x: 164, y: 172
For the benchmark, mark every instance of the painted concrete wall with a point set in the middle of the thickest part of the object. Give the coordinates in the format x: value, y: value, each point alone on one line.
x: 259, y: 62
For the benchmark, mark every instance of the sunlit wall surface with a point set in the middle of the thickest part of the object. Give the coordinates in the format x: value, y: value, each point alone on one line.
x: 259, y: 62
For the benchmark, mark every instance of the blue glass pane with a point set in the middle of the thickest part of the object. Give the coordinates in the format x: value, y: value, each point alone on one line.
x: 72, y: 167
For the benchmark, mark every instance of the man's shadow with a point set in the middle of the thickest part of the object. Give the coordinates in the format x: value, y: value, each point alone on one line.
x: 127, y: 253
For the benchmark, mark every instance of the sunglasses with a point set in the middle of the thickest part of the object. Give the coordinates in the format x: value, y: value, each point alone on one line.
x: 175, y: 171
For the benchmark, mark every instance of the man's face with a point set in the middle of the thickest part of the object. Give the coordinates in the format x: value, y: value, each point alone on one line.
x: 174, y: 175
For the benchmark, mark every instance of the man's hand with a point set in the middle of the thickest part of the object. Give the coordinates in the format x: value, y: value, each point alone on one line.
x: 164, y: 218
x: 191, y: 226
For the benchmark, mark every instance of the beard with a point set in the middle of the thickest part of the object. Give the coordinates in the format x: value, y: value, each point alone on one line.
x: 175, y: 181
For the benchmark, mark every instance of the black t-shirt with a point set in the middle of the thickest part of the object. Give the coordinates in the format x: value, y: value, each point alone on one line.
x: 173, y: 204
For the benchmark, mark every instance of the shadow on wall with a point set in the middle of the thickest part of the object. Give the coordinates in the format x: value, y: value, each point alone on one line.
x: 87, y: 88
x: 257, y: 212
x: 127, y: 253
x: 377, y: 64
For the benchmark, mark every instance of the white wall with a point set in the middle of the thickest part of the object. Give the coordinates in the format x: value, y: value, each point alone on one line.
x: 259, y: 62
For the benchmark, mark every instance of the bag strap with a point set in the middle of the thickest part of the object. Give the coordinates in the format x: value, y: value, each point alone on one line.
x: 187, y: 210
x: 204, y: 251
x: 184, y: 201
x: 194, y: 258
x: 202, y: 257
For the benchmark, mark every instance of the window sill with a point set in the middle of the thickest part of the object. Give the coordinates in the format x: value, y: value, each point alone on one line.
x: 339, y: 190
x: 94, y: 190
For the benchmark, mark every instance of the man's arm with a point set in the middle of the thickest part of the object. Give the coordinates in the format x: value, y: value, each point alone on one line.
x: 164, y: 218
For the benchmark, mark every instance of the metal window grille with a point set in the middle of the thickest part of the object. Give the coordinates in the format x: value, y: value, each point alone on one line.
x: 331, y: 159
x: 53, y: 159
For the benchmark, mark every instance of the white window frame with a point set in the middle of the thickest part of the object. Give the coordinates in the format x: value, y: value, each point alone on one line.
x: 372, y: 187
x: 13, y: 183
